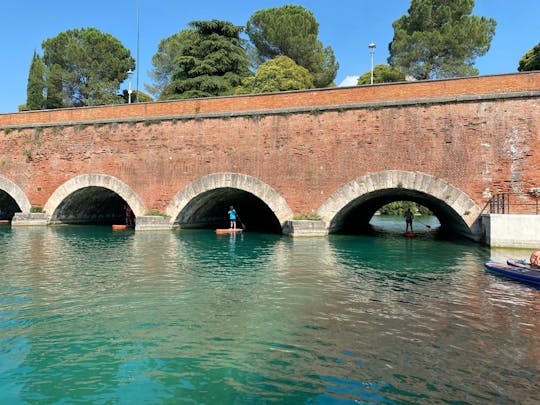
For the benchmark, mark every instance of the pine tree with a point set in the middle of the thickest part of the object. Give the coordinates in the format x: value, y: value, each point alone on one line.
x: 54, y: 88
x: 211, y: 62
x: 440, y: 39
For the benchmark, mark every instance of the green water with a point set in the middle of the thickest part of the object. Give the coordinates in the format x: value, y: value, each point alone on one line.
x: 92, y: 316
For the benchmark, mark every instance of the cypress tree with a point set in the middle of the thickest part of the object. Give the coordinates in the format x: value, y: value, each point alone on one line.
x: 36, y: 84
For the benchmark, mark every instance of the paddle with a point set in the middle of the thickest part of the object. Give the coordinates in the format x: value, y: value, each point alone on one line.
x: 424, y: 224
x: 241, y: 223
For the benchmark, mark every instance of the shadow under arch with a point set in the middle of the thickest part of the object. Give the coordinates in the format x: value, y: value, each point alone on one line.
x: 12, y: 199
x: 356, y: 202
x: 72, y: 201
x: 204, y: 203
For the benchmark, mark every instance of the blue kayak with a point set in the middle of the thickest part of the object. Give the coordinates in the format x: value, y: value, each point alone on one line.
x: 524, y: 274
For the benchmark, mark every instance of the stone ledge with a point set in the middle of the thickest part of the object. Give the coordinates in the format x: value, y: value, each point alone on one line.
x: 29, y: 219
x: 298, y: 228
x: 152, y: 223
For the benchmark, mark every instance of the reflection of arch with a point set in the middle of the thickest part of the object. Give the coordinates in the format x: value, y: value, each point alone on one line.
x: 414, y: 185
x: 252, y: 185
x: 95, y: 180
x: 16, y: 193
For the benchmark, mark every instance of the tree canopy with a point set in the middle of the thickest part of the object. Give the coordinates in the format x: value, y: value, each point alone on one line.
x: 206, y: 60
x: 89, y: 64
x: 163, y: 61
x: 531, y: 60
x: 440, y: 39
x: 292, y: 31
x: 382, y: 74
x: 278, y: 74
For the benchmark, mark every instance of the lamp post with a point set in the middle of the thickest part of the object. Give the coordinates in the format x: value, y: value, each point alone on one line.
x: 371, y: 47
x: 129, y: 73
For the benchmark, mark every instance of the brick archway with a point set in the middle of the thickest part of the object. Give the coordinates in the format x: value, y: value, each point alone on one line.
x: 16, y: 193
x: 95, y: 180
x: 275, y: 202
x: 416, y: 186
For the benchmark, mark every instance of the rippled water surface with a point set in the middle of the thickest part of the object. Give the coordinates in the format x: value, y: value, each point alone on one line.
x: 92, y: 316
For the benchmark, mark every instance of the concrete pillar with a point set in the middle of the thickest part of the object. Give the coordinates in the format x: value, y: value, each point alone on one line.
x: 511, y: 230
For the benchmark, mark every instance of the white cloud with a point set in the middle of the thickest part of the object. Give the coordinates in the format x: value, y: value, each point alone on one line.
x: 349, y: 81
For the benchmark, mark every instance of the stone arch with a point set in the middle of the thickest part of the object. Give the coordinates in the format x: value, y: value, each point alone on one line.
x: 95, y: 180
x: 415, y: 185
x: 16, y: 193
x: 275, y: 202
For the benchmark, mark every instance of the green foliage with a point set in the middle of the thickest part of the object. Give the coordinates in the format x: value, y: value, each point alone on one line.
x: 155, y: 213
x: 399, y: 208
x: 292, y: 31
x: 91, y: 66
x: 531, y: 60
x: 36, y: 84
x: 210, y: 62
x: 35, y: 208
x: 440, y: 39
x: 136, y: 97
x: 382, y: 74
x: 279, y: 74
x: 163, y: 61
x: 54, y: 88
x: 307, y: 217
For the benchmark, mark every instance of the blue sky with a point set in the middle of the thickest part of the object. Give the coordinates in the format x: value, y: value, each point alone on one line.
x: 348, y: 26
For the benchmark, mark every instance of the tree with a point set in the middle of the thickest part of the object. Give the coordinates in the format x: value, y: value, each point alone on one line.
x: 279, y: 74
x: 382, y: 74
x: 164, y: 59
x: 210, y: 61
x: 531, y: 60
x: 439, y: 39
x: 54, y: 88
x: 292, y: 31
x: 36, y: 84
x: 92, y: 64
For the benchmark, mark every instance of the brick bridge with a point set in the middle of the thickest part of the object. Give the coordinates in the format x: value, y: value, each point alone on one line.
x: 340, y: 153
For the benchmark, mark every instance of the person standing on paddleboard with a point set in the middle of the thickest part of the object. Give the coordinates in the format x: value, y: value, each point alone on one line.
x: 408, y: 220
x: 232, y: 217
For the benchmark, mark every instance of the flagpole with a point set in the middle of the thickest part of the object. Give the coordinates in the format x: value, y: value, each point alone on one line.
x: 137, y: 56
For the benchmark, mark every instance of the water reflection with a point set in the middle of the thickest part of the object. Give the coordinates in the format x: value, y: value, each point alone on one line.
x: 192, y: 316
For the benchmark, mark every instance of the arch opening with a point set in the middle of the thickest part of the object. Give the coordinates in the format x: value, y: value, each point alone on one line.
x: 355, y: 217
x: 209, y: 210
x: 92, y: 205
x: 8, y: 206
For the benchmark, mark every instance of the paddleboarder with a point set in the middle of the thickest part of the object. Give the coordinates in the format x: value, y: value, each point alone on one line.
x: 408, y: 220
x: 129, y: 215
x: 232, y: 217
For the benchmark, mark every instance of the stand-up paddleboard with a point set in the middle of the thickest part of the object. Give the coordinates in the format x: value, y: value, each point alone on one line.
x: 118, y: 227
x: 228, y: 230
x: 4, y: 221
x: 409, y: 234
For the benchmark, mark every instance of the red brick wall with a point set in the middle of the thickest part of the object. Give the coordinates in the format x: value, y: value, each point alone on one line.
x: 477, y: 146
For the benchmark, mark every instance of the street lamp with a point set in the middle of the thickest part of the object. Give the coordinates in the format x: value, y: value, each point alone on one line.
x: 129, y: 73
x: 371, y: 47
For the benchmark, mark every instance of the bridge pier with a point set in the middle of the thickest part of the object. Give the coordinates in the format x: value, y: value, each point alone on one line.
x: 29, y: 219
x: 305, y: 228
x: 152, y: 223
x: 511, y: 230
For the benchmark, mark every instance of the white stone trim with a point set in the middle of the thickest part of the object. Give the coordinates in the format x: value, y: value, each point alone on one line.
x: 95, y: 180
x: 433, y: 186
x: 16, y: 193
x: 244, y: 182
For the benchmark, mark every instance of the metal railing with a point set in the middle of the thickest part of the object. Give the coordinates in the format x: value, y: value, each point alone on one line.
x: 513, y: 203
